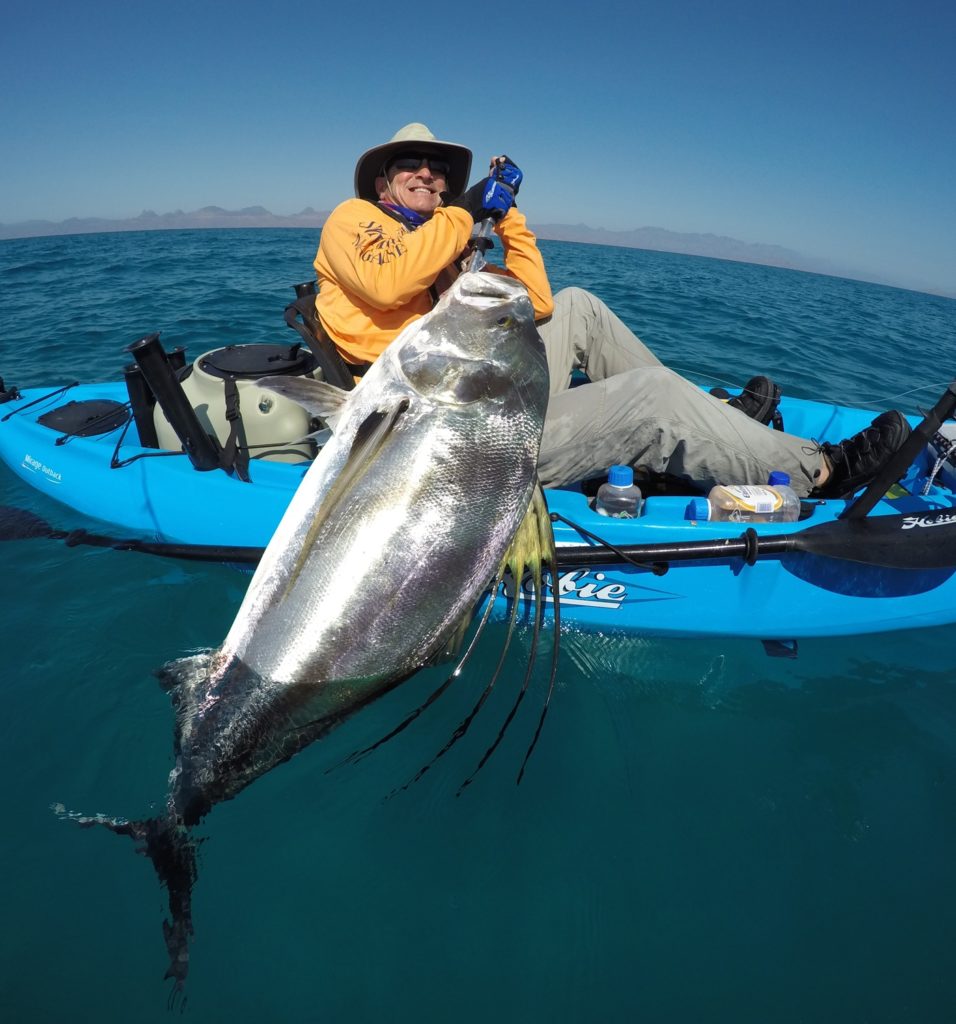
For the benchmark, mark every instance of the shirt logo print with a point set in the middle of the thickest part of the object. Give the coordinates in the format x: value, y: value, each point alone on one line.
x: 375, y: 246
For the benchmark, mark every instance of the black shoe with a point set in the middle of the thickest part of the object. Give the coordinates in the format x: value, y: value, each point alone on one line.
x: 758, y: 400
x: 856, y: 461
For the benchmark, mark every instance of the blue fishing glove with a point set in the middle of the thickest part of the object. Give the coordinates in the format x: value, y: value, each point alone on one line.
x: 507, y: 172
x: 489, y: 198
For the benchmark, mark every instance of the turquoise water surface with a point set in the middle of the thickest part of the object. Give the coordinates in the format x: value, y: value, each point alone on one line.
x: 704, y: 833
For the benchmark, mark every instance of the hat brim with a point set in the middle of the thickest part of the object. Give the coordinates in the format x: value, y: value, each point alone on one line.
x: 371, y: 164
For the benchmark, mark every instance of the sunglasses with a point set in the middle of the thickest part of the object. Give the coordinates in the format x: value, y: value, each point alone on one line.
x: 410, y: 162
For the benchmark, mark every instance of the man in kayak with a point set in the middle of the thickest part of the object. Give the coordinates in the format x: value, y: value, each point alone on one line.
x: 385, y: 256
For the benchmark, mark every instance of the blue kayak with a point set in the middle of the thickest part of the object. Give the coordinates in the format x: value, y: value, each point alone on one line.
x: 659, y: 574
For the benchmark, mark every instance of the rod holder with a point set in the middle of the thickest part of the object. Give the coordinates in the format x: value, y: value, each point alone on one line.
x: 202, y: 450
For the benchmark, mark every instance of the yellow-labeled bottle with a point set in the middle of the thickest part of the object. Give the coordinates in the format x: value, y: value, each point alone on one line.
x: 774, y: 502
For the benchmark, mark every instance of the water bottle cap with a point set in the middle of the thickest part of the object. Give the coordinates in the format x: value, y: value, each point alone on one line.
x: 779, y: 479
x: 699, y: 509
x: 620, y: 476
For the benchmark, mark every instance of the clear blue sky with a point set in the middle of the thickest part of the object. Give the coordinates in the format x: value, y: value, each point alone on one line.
x: 825, y: 127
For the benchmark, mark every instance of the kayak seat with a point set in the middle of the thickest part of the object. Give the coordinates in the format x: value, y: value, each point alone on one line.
x: 301, y: 316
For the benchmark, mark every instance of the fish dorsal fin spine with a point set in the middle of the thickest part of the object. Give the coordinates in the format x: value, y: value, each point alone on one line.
x: 532, y: 546
x: 531, y: 549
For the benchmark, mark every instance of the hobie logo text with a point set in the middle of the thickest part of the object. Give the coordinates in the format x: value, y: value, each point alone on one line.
x: 579, y: 587
x: 909, y: 522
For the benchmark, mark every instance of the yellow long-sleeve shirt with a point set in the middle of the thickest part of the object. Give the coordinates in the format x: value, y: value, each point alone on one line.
x: 375, y: 273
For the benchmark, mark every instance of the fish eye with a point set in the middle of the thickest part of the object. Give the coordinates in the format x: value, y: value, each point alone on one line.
x: 504, y: 321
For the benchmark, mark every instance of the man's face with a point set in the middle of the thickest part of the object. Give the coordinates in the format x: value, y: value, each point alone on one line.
x: 415, y: 182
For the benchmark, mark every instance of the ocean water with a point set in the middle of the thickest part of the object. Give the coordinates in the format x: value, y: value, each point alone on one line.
x: 704, y: 833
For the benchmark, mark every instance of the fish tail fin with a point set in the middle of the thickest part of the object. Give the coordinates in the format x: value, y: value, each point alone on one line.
x: 172, y: 851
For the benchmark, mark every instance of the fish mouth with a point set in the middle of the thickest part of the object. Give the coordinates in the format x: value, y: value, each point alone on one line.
x: 487, y: 290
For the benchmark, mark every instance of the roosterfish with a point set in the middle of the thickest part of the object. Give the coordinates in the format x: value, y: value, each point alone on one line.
x: 424, y: 497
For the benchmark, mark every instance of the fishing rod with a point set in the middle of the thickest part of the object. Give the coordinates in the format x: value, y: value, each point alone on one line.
x: 482, y: 241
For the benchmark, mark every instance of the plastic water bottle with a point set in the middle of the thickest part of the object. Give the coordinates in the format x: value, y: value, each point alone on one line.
x: 780, y: 482
x: 773, y: 502
x: 620, y: 497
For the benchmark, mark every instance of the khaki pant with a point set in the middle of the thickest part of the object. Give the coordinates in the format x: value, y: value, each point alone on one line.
x: 638, y: 412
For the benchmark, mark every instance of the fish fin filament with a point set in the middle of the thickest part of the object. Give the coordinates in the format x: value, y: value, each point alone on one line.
x: 531, y: 550
x: 358, y: 755
x: 465, y: 723
x: 550, y: 559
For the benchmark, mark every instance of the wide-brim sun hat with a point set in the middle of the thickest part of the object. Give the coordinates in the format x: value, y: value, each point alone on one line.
x: 414, y: 138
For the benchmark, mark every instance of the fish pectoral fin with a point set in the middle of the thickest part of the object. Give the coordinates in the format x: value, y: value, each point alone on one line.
x: 372, y: 434
x: 318, y: 397
x: 320, y: 438
x: 369, y: 440
x: 375, y: 429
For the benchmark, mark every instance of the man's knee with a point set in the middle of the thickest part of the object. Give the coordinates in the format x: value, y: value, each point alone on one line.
x: 574, y: 296
x: 580, y: 305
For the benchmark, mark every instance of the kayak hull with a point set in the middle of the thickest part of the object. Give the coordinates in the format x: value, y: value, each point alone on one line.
x: 160, y: 496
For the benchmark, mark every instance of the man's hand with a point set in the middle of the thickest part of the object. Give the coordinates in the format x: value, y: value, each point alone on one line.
x: 504, y: 169
x: 489, y: 198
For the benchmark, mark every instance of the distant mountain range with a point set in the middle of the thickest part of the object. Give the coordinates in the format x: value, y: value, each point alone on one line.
x: 690, y: 243
x: 207, y: 217
x: 718, y: 246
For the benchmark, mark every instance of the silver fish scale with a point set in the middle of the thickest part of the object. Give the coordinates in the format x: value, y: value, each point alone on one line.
x: 350, y: 598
